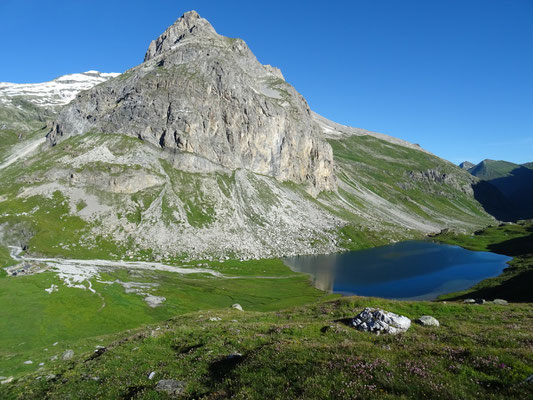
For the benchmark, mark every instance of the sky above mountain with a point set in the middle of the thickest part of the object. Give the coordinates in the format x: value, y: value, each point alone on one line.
x: 454, y: 76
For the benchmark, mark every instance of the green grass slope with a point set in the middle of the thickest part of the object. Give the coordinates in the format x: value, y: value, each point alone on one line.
x: 32, y: 320
x: 292, y: 355
x: 402, y: 190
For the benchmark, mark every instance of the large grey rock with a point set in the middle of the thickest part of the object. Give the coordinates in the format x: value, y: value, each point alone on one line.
x: 237, y: 306
x: 206, y: 95
x: 170, y: 386
x: 380, y: 321
x: 427, y: 320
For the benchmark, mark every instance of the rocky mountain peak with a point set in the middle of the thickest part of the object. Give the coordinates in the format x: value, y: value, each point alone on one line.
x: 188, y: 25
x: 207, y: 99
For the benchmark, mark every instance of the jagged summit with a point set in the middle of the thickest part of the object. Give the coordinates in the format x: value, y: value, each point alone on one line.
x: 208, y: 100
x: 189, y: 24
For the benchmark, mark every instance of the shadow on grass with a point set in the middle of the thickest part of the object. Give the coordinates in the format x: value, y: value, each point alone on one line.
x: 517, y: 280
x: 516, y: 289
x: 514, y: 247
x: 221, y: 368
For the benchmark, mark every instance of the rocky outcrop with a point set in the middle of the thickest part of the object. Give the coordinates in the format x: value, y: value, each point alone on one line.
x: 206, y: 95
x: 460, y: 182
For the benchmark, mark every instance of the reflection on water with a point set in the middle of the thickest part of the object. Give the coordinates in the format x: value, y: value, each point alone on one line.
x: 408, y: 270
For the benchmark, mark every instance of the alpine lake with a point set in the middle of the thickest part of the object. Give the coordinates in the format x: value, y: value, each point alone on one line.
x: 411, y: 270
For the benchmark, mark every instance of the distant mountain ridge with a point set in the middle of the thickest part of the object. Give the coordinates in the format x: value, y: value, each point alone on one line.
x: 26, y: 106
x: 513, y: 181
x: 466, y: 165
x: 57, y: 92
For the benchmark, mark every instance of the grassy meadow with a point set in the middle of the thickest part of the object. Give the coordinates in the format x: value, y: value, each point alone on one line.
x: 32, y: 320
x: 305, y: 352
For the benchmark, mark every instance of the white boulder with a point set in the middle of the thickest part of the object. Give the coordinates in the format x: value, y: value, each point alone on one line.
x: 380, y: 321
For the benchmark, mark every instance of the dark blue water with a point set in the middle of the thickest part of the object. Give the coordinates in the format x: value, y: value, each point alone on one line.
x: 414, y: 270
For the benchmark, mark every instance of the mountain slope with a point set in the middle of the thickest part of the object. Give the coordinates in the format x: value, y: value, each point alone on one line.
x: 201, y: 152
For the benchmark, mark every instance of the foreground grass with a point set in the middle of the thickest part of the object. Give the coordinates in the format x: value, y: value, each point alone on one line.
x: 32, y: 320
x: 515, y: 240
x: 477, y: 352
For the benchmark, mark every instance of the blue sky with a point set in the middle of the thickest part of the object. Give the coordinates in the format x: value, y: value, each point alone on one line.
x: 455, y: 76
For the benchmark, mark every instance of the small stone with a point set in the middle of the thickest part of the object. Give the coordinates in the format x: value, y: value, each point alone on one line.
x: 237, y: 306
x: 55, y: 344
x: 67, y: 355
x: 427, y: 320
x: 29, y: 362
x: 53, y: 358
x: 41, y: 364
x: 170, y: 386
x: 214, y: 319
x: 8, y: 380
x: 50, y: 377
x: 469, y: 301
x: 152, y: 375
x: 500, y: 302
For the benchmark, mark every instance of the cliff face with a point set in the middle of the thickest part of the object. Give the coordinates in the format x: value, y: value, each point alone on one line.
x: 204, y: 95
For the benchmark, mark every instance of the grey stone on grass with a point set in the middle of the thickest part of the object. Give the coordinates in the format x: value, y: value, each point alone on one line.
x: 500, y: 302
x: 171, y: 387
x: 380, y: 321
x: 67, y: 355
x: 427, y: 320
